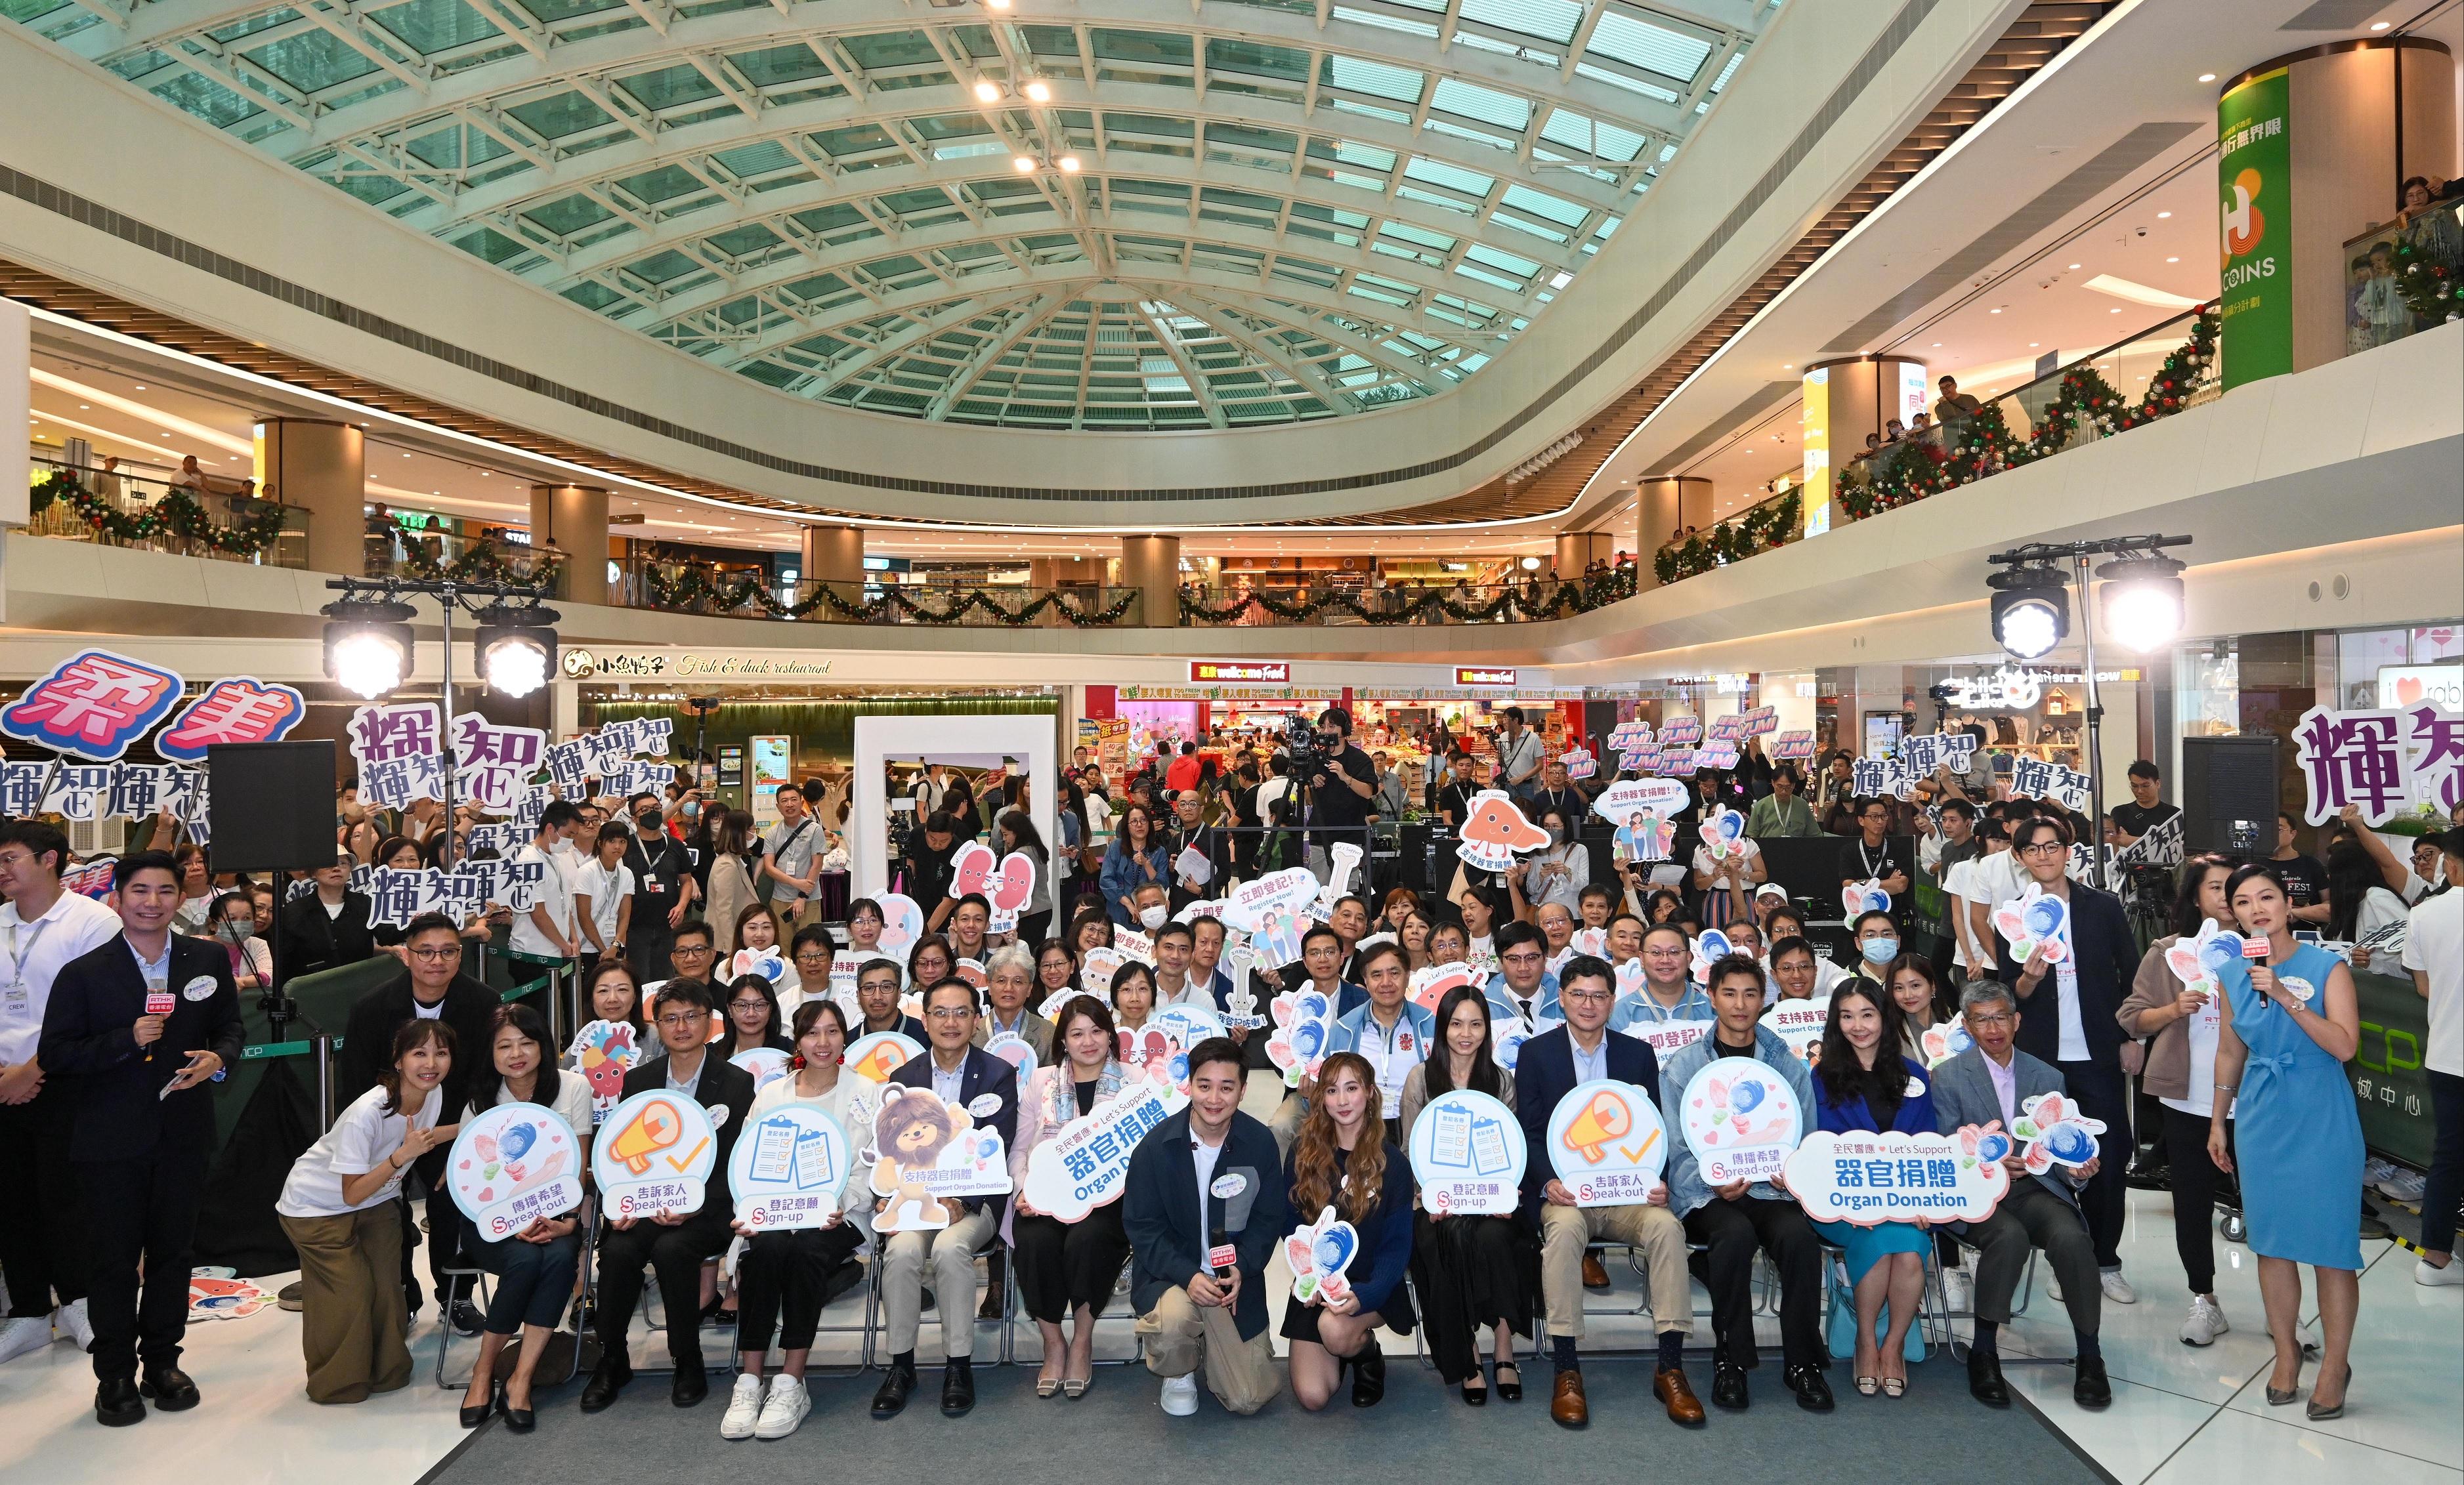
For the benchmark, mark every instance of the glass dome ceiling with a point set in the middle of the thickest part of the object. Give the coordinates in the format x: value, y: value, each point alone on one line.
x: 1105, y: 215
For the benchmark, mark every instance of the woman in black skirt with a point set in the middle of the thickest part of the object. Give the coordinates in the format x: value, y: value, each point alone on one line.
x: 1066, y: 1269
x: 1472, y: 1270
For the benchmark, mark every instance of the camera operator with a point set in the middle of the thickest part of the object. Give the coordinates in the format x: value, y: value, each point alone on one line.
x: 1341, y: 784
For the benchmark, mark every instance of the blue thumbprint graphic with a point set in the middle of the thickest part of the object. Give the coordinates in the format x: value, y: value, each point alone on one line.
x: 1991, y: 1148
x: 518, y: 1139
x: 2069, y: 1143
x: 1746, y: 1096
x: 2043, y: 916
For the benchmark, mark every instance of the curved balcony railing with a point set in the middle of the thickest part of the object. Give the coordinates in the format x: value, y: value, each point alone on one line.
x: 697, y: 587
x: 1267, y: 602
x: 76, y: 503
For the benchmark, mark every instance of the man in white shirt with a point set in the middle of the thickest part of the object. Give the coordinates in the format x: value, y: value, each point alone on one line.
x: 1175, y: 985
x: 2434, y: 951
x: 548, y: 934
x: 43, y: 1232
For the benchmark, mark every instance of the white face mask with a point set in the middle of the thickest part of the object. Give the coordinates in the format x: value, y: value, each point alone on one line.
x: 1152, y: 918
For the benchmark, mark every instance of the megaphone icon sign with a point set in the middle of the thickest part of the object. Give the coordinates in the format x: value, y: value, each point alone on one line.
x: 1604, y: 1119
x: 653, y: 1129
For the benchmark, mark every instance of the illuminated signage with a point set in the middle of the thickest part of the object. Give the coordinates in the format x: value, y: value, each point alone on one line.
x: 1484, y: 675
x: 1263, y: 672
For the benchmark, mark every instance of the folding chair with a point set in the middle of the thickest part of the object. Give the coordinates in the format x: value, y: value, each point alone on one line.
x: 875, y: 1321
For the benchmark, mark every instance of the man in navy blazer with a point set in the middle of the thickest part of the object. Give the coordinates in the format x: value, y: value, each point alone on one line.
x: 2069, y: 1023
x: 1548, y: 1067
x: 1204, y: 1206
x: 138, y: 1084
x: 963, y: 1076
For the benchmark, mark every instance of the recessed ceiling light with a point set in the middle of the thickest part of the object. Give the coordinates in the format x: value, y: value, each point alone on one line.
x: 2163, y: 215
x: 2072, y: 265
x: 1937, y: 345
x: 2032, y: 345
x: 2380, y: 25
x: 2172, y: 260
x: 2207, y: 76
x: 1996, y: 310
x: 2115, y: 309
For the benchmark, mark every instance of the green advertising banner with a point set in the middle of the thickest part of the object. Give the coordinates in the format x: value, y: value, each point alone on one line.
x: 2389, y: 1085
x: 2254, y: 172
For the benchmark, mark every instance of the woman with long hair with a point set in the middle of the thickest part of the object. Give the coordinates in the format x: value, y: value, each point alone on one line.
x: 1413, y: 934
x: 1915, y: 987
x: 1067, y: 1270
x: 1470, y: 1268
x: 785, y: 1278
x: 1137, y: 857
x: 1863, y: 1082
x: 533, y: 1267
x: 1340, y: 1159
x: 730, y: 889
x: 2180, y: 1022
x: 2358, y: 903
x: 336, y: 1207
x: 2284, y: 1121
x: 1015, y: 831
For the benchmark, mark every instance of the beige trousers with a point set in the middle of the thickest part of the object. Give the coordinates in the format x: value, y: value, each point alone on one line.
x: 1565, y: 1231
x: 951, y: 1254
x: 1181, y: 1336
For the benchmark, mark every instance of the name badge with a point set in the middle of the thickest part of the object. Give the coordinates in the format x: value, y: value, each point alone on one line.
x: 718, y: 1113
x: 1227, y: 1186
x: 201, y: 987
x: 984, y: 1105
x: 1915, y: 1087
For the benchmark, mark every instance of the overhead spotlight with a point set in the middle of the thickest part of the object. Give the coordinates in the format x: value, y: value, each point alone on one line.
x: 517, y: 646
x: 1069, y: 165
x: 1024, y: 165
x: 2032, y: 610
x: 1038, y: 91
x: 2142, y: 601
x: 988, y: 91
x: 368, y: 645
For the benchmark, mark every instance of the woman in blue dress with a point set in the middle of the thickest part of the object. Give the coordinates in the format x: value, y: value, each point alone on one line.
x: 2291, y: 1021
x: 1863, y: 1085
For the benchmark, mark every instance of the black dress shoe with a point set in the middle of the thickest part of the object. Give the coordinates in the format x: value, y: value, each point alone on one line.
x: 169, y: 1387
x: 957, y: 1387
x: 600, y: 1390
x: 1510, y: 1391
x: 691, y: 1383
x: 2089, y: 1388
x: 521, y: 1420
x: 472, y: 1417
x: 895, y: 1383
x: 1984, y: 1382
x: 1369, y: 1376
x: 1729, y: 1386
x: 115, y: 1403
x: 1812, y: 1393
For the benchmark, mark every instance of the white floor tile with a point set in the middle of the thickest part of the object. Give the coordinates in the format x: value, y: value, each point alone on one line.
x: 2130, y: 1439
x: 2408, y: 1355
x: 2253, y: 1451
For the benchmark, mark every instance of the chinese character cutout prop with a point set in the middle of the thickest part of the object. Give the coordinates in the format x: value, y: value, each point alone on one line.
x: 1740, y: 1120
x: 93, y: 705
x: 514, y: 1165
x: 926, y: 1151
x: 2351, y: 759
x: 1607, y: 1144
x: 787, y: 1169
x: 1468, y: 1154
x: 655, y: 1153
x: 1868, y: 1179
x: 1317, y: 1254
x: 1494, y: 830
x: 239, y: 708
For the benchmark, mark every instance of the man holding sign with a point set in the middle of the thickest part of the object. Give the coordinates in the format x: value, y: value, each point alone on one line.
x: 1550, y: 1067
x: 136, y: 1028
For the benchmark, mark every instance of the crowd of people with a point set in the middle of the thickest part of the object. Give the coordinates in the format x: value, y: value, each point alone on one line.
x: 119, y: 1017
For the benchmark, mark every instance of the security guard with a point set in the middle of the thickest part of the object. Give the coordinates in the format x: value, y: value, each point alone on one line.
x: 137, y: 1029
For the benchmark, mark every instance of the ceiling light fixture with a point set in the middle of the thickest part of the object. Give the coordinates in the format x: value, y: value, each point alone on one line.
x: 2207, y: 76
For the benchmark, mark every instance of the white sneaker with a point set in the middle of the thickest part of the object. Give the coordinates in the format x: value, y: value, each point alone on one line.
x: 2423, y: 1273
x: 2405, y: 1186
x: 2206, y: 1323
x: 1958, y: 1291
x: 744, y: 1407
x: 2115, y: 1287
x: 1179, y: 1397
x: 787, y: 1407
x: 32, y: 1332
x: 73, y: 1319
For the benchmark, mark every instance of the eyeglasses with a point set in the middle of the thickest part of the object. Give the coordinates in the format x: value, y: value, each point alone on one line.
x: 1585, y: 995
x: 437, y: 955
x: 748, y: 1005
x: 690, y: 950
x: 683, y: 1019
x: 2044, y: 848
x: 951, y: 1012
x: 1988, y: 1018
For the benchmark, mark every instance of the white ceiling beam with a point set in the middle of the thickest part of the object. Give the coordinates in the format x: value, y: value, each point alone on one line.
x: 892, y: 346
x: 1365, y: 347
x: 989, y: 353
x: 1189, y: 372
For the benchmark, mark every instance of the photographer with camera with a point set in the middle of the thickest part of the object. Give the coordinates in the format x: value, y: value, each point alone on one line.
x: 1342, y: 780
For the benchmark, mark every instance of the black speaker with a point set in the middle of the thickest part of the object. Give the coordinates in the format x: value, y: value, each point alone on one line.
x: 271, y: 805
x: 2229, y: 794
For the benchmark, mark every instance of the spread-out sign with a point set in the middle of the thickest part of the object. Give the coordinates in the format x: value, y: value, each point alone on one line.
x: 1263, y: 672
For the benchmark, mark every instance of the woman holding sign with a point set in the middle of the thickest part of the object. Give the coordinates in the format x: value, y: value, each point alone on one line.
x: 788, y: 1272
x: 337, y: 1209
x: 533, y: 1267
x: 1341, y: 1159
x: 1472, y: 1269
x: 1864, y: 1084
x: 2290, y: 1022
x: 1068, y: 1268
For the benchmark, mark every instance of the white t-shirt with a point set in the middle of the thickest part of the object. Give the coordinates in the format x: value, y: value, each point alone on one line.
x: 2380, y: 908
x: 30, y: 956
x: 572, y: 1101
x: 1961, y: 882
x: 555, y: 894
x: 1203, y: 1156
x: 607, y: 888
x: 1739, y: 865
x: 362, y: 1139
x: 2434, y: 945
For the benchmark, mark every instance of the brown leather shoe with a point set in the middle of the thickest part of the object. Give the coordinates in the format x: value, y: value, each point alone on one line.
x: 1670, y: 1386
x: 1595, y: 1274
x: 1567, y: 1405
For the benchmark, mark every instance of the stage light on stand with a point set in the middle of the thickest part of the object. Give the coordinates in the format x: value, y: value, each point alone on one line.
x: 368, y: 645
x: 2032, y: 610
x: 517, y: 648
x: 2142, y: 601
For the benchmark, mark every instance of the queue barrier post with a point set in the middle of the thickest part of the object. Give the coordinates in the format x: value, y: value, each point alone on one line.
x: 323, y: 1044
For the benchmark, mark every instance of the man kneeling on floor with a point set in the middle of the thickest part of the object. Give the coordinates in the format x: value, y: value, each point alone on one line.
x: 1203, y: 1209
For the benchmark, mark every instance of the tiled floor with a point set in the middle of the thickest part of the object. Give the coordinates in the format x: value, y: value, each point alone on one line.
x: 2181, y: 1416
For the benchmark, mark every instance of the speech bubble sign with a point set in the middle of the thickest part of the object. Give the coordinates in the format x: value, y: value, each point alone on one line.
x: 1607, y: 1144
x: 787, y: 1169
x: 1869, y: 1179
x: 512, y: 1166
x: 1086, y: 1164
x: 1468, y: 1154
x: 1740, y: 1118
x: 1430, y: 983
x: 655, y: 1153
x: 1799, y: 1023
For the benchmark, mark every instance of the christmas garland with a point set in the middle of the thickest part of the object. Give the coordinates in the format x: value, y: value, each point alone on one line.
x: 1759, y: 530
x: 697, y: 590
x: 480, y: 563
x: 1982, y: 444
x: 177, y: 513
x: 1397, y: 606
x: 2432, y: 289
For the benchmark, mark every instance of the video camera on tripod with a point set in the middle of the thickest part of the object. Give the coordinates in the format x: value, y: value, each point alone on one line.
x: 1301, y: 742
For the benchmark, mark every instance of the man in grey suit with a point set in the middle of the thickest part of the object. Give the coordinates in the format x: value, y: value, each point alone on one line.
x: 1990, y: 1082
